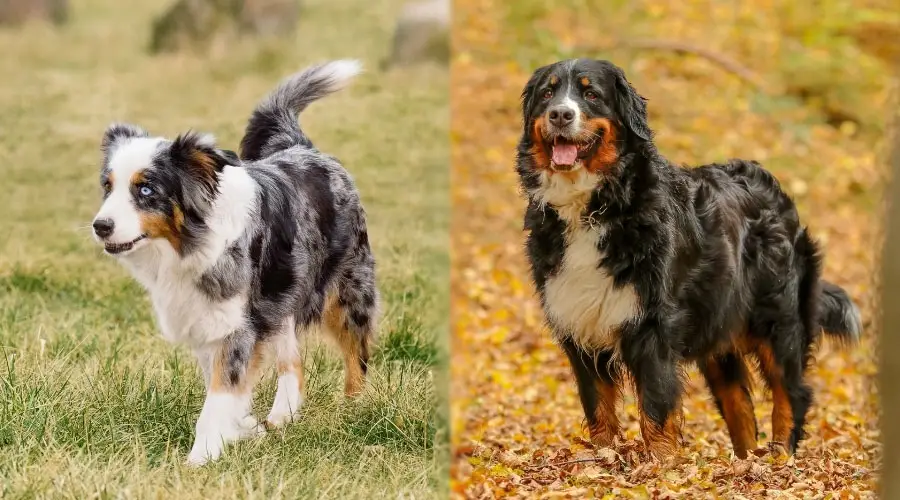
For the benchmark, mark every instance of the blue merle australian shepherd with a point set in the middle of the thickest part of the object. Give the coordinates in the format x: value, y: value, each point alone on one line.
x: 239, y: 255
x: 643, y: 266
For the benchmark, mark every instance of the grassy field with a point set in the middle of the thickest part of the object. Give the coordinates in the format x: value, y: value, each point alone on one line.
x: 93, y: 403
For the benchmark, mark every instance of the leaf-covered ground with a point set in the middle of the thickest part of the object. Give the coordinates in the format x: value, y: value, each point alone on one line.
x: 517, y: 423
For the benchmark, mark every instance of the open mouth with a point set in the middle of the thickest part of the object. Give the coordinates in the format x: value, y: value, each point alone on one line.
x: 570, y: 155
x: 114, y: 248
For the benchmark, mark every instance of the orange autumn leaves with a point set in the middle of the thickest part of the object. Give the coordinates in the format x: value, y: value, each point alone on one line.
x: 518, y: 428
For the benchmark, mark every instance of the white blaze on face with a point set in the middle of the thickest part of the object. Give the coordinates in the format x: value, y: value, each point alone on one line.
x: 565, y: 154
x: 126, y: 160
x: 569, y: 103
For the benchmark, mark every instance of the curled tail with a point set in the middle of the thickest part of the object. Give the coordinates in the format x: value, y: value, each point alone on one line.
x: 838, y: 315
x: 273, y: 125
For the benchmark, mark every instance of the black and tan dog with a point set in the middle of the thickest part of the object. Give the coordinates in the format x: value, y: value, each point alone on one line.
x: 643, y: 266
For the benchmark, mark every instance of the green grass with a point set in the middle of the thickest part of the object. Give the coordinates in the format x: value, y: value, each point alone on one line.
x: 93, y: 403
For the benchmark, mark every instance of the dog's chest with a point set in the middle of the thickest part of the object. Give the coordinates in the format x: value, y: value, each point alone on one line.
x: 185, y: 314
x: 580, y: 298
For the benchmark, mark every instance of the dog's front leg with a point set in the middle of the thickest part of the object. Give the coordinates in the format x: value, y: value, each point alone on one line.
x: 233, y: 368
x: 598, y: 388
x: 654, y: 366
x: 205, y: 357
x: 289, y: 395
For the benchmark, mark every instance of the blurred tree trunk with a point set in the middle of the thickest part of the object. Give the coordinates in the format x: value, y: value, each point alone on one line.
x: 195, y: 23
x: 422, y: 33
x: 890, y: 331
x: 15, y: 12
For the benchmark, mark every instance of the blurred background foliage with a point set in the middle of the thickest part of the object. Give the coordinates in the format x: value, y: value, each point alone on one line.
x: 830, y: 57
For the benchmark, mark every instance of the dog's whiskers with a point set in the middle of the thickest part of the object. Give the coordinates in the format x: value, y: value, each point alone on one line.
x: 595, y: 134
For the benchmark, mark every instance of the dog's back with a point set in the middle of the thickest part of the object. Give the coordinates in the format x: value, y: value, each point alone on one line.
x: 742, y: 205
x: 312, y: 243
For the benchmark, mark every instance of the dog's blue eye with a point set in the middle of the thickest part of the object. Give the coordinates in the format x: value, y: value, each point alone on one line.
x: 145, y: 191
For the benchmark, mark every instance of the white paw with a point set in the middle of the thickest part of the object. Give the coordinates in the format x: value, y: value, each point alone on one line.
x: 279, y: 418
x: 205, y: 449
x: 250, y: 427
x: 225, y: 418
x: 288, y: 401
x: 208, y: 446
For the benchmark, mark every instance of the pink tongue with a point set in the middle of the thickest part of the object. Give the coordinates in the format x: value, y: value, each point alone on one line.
x: 564, y: 154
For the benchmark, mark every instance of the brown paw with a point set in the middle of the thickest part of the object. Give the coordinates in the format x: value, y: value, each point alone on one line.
x: 779, y: 450
x: 603, y: 437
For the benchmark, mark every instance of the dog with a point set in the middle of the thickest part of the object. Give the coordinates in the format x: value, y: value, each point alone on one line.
x: 644, y: 267
x: 240, y: 254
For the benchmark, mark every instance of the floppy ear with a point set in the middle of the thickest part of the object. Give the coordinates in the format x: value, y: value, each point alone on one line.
x: 529, y: 91
x: 116, y: 133
x: 197, y: 156
x: 632, y: 107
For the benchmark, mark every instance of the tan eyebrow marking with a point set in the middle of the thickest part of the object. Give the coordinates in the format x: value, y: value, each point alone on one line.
x: 137, y: 178
x: 585, y: 81
x: 554, y: 80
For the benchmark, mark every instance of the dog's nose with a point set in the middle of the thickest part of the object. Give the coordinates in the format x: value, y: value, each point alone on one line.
x: 103, y: 227
x: 561, y: 116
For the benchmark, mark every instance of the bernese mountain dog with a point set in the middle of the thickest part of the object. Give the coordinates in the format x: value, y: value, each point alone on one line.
x: 644, y: 266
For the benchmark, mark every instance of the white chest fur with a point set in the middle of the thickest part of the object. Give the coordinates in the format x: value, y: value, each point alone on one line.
x: 184, y: 314
x: 581, y: 299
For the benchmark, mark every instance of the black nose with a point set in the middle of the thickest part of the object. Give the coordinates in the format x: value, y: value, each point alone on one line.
x: 561, y: 116
x: 103, y: 227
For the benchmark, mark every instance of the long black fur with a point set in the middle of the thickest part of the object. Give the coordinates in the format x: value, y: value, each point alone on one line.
x: 714, y: 253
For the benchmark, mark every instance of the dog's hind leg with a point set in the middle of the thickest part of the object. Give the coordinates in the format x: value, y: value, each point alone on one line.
x: 289, y: 367
x: 599, y: 390
x: 729, y: 381
x: 234, y: 366
x: 349, y: 318
x: 782, y: 365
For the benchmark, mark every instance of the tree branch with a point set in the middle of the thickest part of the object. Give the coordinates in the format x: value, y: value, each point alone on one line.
x: 728, y: 64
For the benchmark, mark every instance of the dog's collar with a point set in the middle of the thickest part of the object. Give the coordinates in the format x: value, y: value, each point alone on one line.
x: 592, y: 219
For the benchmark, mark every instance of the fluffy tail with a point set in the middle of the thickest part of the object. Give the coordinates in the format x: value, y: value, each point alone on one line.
x: 838, y: 315
x: 273, y: 125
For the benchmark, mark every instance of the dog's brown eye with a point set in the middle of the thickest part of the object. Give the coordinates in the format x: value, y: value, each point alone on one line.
x: 107, y: 186
x: 547, y: 94
x: 590, y: 95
